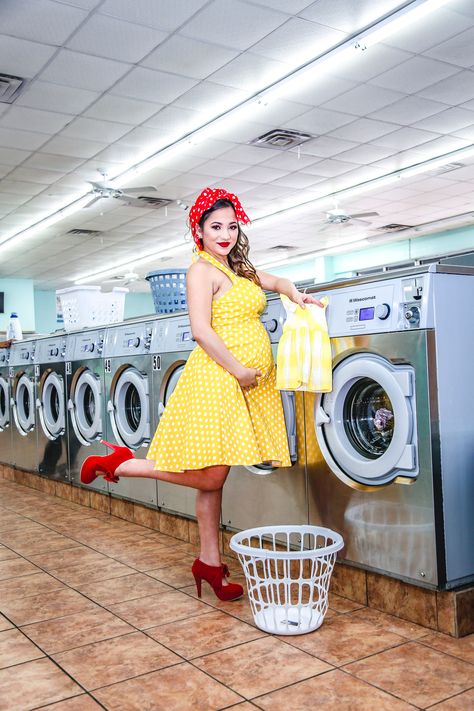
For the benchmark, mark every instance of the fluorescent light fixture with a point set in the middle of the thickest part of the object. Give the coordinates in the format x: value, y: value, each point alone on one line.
x: 173, y: 249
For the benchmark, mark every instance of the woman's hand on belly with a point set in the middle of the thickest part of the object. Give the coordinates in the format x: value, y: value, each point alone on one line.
x: 247, y: 378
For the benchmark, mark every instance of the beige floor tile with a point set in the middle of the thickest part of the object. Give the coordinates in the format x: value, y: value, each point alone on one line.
x: 127, y: 587
x: 7, y: 553
x: 42, y: 543
x: 113, y: 660
x: 159, y: 609
x: 151, y: 557
x: 78, y: 703
x: 415, y: 673
x: 75, y: 555
x: 250, y: 668
x: 158, y: 691
x: 5, y: 624
x: 244, y: 706
x: 204, y: 634
x: 334, y: 691
x: 389, y: 623
x: 15, y: 648
x: 28, y: 585
x: 178, y: 575
x: 89, y: 572
x: 343, y: 639
x: 461, y: 702
x: 15, y: 568
x: 463, y: 648
x: 37, y: 608
x: 343, y: 604
x: 63, y: 633
x: 34, y: 684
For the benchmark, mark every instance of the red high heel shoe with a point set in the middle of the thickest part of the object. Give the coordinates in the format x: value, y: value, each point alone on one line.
x: 94, y: 466
x: 213, y: 574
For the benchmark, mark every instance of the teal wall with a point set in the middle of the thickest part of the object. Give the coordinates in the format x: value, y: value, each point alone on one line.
x: 138, y: 304
x: 19, y: 297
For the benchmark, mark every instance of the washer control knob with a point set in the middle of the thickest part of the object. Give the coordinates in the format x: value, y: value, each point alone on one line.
x: 271, y: 325
x: 412, y: 315
x: 136, y: 342
x: 382, y: 311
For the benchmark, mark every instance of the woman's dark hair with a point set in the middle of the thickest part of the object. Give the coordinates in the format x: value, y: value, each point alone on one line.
x: 238, y: 255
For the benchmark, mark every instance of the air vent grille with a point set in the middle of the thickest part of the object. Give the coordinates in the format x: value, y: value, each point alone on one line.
x: 281, y: 248
x: 78, y: 232
x: 282, y: 139
x: 10, y: 88
x: 445, y: 168
x: 393, y: 227
x: 153, y: 201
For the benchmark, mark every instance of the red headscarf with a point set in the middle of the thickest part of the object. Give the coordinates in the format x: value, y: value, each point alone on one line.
x: 205, y: 201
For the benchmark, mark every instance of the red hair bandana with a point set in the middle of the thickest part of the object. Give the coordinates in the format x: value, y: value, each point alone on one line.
x: 205, y: 201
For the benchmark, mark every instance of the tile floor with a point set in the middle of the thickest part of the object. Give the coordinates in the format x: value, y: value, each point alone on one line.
x: 98, y: 613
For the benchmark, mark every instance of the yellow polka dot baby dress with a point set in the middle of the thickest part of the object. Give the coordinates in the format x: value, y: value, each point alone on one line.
x: 209, y: 419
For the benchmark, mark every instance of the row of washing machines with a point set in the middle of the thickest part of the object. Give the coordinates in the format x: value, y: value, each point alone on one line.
x: 386, y: 458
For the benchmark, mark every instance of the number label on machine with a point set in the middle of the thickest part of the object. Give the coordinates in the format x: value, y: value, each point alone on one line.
x: 68, y: 367
x: 108, y: 365
x: 11, y: 372
x: 37, y: 371
x: 156, y: 362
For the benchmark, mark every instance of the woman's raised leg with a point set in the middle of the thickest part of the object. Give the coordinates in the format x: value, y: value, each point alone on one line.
x: 208, y: 479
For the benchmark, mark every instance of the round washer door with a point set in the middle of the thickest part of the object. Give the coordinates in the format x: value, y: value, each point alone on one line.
x: 86, y: 410
x: 168, y: 386
x: 4, y: 403
x: 129, y: 408
x: 24, y: 404
x: 52, y: 406
x: 366, y: 426
x: 289, y: 412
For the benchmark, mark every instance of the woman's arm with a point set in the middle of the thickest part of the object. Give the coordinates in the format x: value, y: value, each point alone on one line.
x: 199, y: 290
x: 270, y: 282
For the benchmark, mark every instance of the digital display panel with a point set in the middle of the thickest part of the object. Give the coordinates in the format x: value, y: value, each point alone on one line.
x: 367, y: 314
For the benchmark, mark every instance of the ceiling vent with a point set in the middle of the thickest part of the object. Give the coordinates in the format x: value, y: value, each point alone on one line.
x: 147, y: 201
x: 281, y: 248
x: 281, y: 139
x: 77, y: 232
x: 10, y: 88
x: 393, y: 227
x: 447, y: 168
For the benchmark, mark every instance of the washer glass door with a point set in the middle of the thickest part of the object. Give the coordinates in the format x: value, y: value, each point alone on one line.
x: 366, y: 426
x: 4, y: 403
x: 24, y: 404
x: 129, y: 408
x: 86, y: 410
x: 52, y: 406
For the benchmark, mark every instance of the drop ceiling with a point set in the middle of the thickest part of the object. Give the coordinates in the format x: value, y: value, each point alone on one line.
x: 110, y: 82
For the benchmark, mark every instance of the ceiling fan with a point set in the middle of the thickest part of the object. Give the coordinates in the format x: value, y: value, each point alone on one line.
x: 126, y: 278
x: 341, y: 217
x: 102, y: 190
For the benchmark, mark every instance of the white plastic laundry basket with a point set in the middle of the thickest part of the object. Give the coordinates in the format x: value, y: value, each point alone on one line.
x: 287, y: 569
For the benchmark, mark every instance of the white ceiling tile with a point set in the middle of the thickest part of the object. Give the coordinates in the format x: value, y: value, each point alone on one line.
x: 41, y: 20
x: 365, y: 153
x: 318, y: 121
x: 441, y: 145
x: 457, y: 50
x: 408, y: 110
x: 84, y: 71
x: 349, y: 15
x: 174, y: 120
x: 211, y: 98
x: 465, y: 7
x: 435, y: 27
x: 45, y: 161
x: 326, y: 147
x: 26, y: 140
x: 118, y: 153
x: 122, y: 110
x: 415, y: 74
x: 404, y: 138
x: 151, y: 85
x: 283, y: 5
x: 234, y: 23
x: 162, y: 14
x: 250, y: 72
x: 295, y: 180
x: 85, y: 4
x: 297, y: 41
x: 369, y: 64
x: 189, y: 57
x: 329, y: 168
x: 467, y: 132
x: 42, y: 121
x: 289, y: 161
x: 455, y: 90
x: 211, y: 148
x: 12, y: 156
x: 364, y: 130
x: 94, y: 130
x: 220, y: 169
x: 18, y: 187
x: 260, y: 174
x: 108, y: 37
x: 76, y: 148
x: 448, y: 121
x: 22, y: 58
x: 320, y: 90
x: 363, y: 99
x: 54, y: 97
x: 5, y: 169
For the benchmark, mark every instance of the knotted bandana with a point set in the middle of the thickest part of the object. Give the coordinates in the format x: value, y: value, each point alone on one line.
x: 205, y: 201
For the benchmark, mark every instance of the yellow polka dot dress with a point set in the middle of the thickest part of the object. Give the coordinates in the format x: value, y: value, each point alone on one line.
x: 209, y: 419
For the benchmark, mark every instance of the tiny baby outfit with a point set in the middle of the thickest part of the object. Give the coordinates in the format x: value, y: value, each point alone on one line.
x: 209, y: 419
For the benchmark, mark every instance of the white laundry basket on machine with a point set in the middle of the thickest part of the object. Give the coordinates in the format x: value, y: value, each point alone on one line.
x: 288, y: 570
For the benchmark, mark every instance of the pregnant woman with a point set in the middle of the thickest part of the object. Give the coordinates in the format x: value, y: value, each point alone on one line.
x: 225, y: 409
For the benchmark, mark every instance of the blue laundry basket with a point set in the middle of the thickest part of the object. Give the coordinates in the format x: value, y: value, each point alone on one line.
x: 168, y: 289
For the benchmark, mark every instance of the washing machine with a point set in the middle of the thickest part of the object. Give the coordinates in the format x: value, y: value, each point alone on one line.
x: 50, y: 370
x: 261, y: 495
x: 390, y: 451
x: 128, y: 396
x: 172, y: 343
x: 86, y: 412
x: 5, y: 417
x: 23, y: 404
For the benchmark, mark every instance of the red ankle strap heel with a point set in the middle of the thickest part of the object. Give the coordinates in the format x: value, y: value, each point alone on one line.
x: 214, y: 574
x: 105, y: 466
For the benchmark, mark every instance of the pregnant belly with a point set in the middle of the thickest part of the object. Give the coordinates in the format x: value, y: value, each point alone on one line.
x: 251, y: 346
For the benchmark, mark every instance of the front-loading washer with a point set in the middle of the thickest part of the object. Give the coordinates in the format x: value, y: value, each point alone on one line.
x: 128, y: 397
x: 5, y: 414
x: 23, y: 404
x: 390, y: 449
x: 85, y: 392
x: 51, y: 407
x: 262, y: 495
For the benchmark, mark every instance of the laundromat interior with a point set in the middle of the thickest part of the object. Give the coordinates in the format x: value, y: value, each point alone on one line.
x: 346, y: 129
